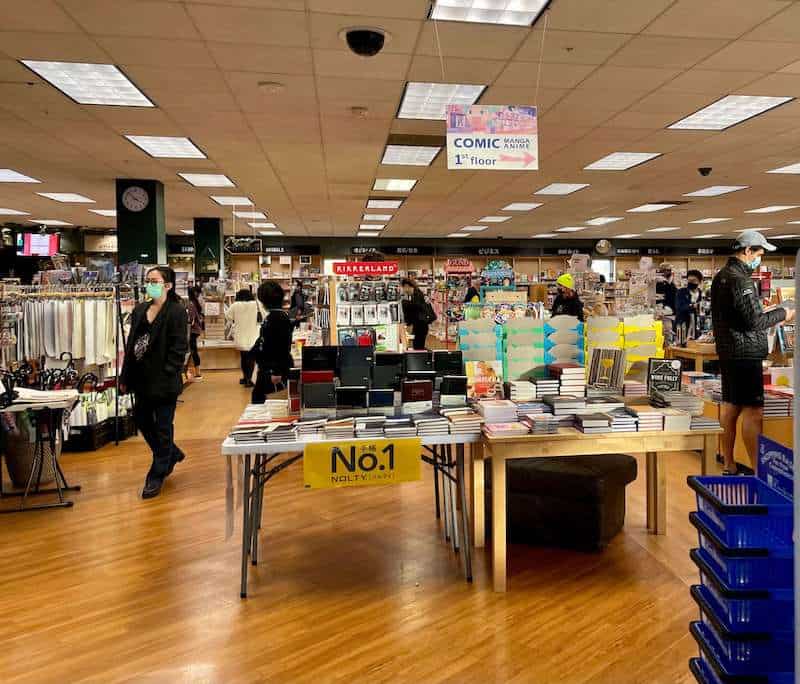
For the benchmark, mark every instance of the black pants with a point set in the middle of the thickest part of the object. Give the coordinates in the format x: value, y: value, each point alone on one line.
x: 248, y: 365
x: 263, y: 387
x: 154, y: 418
x: 193, y: 347
x: 420, y: 331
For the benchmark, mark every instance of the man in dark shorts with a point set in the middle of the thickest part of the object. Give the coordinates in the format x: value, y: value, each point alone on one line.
x: 740, y: 331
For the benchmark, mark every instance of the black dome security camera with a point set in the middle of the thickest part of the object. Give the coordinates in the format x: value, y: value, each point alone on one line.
x: 704, y: 170
x: 365, y: 42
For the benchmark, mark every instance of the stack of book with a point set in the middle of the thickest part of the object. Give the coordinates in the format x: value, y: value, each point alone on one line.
x: 622, y: 420
x: 704, y: 423
x: 498, y: 410
x: 572, y: 378
x: 520, y: 390
x: 310, y: 428
x: 429, y: 424
x: 465, y: 424
x: 511, y: 429
x: 593, y: 391
x: 526, y: 408
x: 399, y: 426
x: 244, y: 433
x: 777, y: 405
x: 278, y: 408
x: 342, y: 428
x: 593, y: 423
x: 634, y: 388
x: 541, y: 423
x: 605, y: 404
x: 370, y: 427
x: 676, y: 420
x: 546, y: 387
x: 650, y: 419
x: 256, y: 412
x: 683, y: 401
x: 281, y: 433
x: 566, y: 405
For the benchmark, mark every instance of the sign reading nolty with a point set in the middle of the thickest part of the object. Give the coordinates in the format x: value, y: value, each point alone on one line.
x: 366, y: 268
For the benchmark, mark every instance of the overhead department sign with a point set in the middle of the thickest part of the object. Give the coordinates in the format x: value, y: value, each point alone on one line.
x: 493, y: 137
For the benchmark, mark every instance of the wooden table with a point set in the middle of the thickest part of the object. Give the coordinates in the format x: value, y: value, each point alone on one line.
x: 571, y: 442
x: 699, y: 356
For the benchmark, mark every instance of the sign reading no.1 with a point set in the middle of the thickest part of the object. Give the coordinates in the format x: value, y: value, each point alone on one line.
x: 361, y: 463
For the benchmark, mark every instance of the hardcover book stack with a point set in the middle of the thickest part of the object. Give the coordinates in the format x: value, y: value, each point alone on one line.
x: 546, y: 387
x: 498, y: 410
x: 704, y: 423
x: 465, y: 423
x: 370, y: 427
x: 512, y: 429
x: 571, y: 377
x: 520, y: 390
x: 683, y: 401
x: 342, y: 428
x: 310, y: 428
x: 634, y: 388
x: 622, y: 420
x: 430, y: 424
x: 650, y: 418
x: 541, y: 423
x: 399, y: 426
x: 593, y: 423
x: 281, y: 433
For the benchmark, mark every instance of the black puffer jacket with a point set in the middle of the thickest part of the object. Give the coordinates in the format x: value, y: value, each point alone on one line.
x: 740, y: 324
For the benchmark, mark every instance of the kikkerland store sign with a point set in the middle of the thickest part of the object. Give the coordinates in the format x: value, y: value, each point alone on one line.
x: 492, y: 137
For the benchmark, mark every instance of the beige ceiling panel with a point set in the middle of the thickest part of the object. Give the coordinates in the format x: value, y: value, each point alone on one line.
x: 296, y: 5
x: 36, y: 15
x: 746, y: 55
x: 325, y: 29
x: 301, y: 128
x: 710, y: 83
x: 429, y: 69
x: 418, y: 127
x: 666, y: 52
x: 63, y: 47
x: 40, y: 101
x: 208, y: 102
x: 299, y: 91
x: 477, y: 41
x: 333, y: 88
x: 246, y: 25
x: 123, y: 18
x: 714, y: 18
x: 783, y: 27
x: 157, y: 52
x: 121, y: 119
x: 612, y: 16
x: 671, y: 105
x: 526, y: 74
x: 782, y: 85
x: 356, y: 131
x: 179, y: 81
x: 546, y: 99
x: 571, y: 47
x: 633, y: 79
x: 261, y: 58
x: 408, y: 9
x: 612, y: 101
x: 376, y: 109
x: 344, y: 64
x: 15, y: 75
x: 649, y: 121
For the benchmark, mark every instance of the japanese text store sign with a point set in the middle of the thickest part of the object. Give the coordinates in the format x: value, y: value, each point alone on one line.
x: 366, y: 268
x: 493, y: 137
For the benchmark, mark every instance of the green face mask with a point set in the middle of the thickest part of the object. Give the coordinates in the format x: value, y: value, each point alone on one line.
x: 155, y: 290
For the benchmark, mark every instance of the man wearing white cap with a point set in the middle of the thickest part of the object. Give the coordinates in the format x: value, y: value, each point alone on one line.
x: 740, y: 331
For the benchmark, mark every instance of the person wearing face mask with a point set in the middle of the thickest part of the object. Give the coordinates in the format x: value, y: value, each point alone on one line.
x: 567, y: 302
x: 687, y: 301
x: 154, y: 357
x: 740, y: 331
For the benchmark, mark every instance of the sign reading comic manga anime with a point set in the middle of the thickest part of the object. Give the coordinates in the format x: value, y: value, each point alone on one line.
x: 492, y: 137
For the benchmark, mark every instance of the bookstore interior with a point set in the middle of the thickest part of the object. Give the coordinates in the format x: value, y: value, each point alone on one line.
x: 538, y: 264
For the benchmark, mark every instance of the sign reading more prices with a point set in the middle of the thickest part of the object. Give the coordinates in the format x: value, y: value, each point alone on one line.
x: 361, y: 463
x: 492, y: 137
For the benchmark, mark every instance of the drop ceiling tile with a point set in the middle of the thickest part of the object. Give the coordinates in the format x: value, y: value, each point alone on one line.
x: 613, y: 16
x: 478, y: 41
x: 634, y: 79
x: 261, y: 58
x: 716, y: 18
x: 248, y: 25
x: 359, y: 89
x: 123, y: 18
x: 547, y: 97
x: 36, y: 15
x: 180, y: 81
x: 296, y: 5
x: 711, y: 83
x: 343, y: 63
x: 571, y: 47
x: 417, y: 127
x: 407, y: 9
x: 641, y: 120
x: 783, y: 27
x: 784, y: 84
x: 64, y: 47
x: 666, y: 52
x: 518, y: 74
x: 429, y: 70
x: 744, y: 55
x: 157, y: 52
x: 325, y: 29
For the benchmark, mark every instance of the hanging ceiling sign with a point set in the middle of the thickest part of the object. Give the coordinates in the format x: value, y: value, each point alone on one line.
x: 492, y: 137
x: 459, y: 266
x: 242, y: 245
x: 366, y: 268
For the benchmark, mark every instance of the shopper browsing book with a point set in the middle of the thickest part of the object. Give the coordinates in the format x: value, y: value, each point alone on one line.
x: 246, y: 317
x: 272, y: 350
x: 567, y: 302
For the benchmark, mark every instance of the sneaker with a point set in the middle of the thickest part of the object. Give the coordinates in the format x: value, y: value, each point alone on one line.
x: 152, y: 488
x: 197, y: 378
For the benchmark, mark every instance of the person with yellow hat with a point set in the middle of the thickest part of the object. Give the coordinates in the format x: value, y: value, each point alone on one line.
x: 567, y: 302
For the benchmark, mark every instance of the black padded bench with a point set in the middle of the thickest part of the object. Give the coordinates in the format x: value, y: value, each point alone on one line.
x: 575, y: 502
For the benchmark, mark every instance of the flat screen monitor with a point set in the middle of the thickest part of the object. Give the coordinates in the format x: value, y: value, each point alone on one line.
x: 37, y: 244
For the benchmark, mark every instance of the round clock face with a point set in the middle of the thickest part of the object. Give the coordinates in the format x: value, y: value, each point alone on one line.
x: 135, y: 198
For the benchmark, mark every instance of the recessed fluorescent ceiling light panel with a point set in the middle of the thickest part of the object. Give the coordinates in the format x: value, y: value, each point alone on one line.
x: 561, y: 188
x: 772, y: 209
x: 458, y: 235
x: 208, y: 180
x: 363, y: 234
x: 104, y: 212
x: 69, y: 197
x: 509, y: 12
x: 648, y: 208
x: 11, y: 176
x: 394, y: 184
x: 494, y: 219
x: 714, y: 190
x: 708, y: 235
x: 367, y: 226
x: 12, y: 212
x: 711, y: 220
x: 784, y: 237
x: 376, y: 217
x: 628, y: 235
x: 167, y: 146
x: 790, y: 223
x: 249, y: 214
x: 665, y: 229
x: 474, y: 229
x: 187, y: 232
x: 570, y: 229
x: 621, y: 161
x: 728, y: 111
x: 91, y: 84
x: 430, y: 100
x: 227, y: 201
x: 409, y: 155
x: 262, y: 225
x: 545, y: 235
x: 792, y: 168
x: 603, y: 220
x: 384, y: 203
x: 49, y: 222
x: 270, y: 233
x: 521, y: 206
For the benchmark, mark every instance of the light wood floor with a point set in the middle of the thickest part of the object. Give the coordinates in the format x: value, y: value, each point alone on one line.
x: 356, y: 586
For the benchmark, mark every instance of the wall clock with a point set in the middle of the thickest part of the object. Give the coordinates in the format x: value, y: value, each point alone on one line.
x: 135, y: 198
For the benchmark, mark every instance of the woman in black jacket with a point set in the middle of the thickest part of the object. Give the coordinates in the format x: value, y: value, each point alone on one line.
x: 272, y: 351
x: 154, y: 356
x: 414, y: 313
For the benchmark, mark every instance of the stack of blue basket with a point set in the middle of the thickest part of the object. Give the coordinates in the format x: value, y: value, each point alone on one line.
x: 746, y: 597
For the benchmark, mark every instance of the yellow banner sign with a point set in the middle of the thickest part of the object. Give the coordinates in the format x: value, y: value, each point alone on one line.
x: 361, y: 463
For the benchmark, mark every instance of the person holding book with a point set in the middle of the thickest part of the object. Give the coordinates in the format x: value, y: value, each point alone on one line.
x: 567, y: 302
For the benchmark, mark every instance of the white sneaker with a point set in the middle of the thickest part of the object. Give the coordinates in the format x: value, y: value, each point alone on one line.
x: 197, y: 378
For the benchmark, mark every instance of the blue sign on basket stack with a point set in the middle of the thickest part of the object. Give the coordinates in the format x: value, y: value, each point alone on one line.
x: 746, y: 596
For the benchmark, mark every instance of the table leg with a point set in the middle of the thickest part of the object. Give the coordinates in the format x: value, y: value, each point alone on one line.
x: 499, y: 523
x: 436, y: 487
x: 709, y: 455
x: 453, y: 496
x: 478, y: 503
x: 445, y: 494
x: 462, y: 490
x: 255, y: 510
x: 650, y: 478
x: 657, y: 491
x: 245, y: 523
x: 698, y: 364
